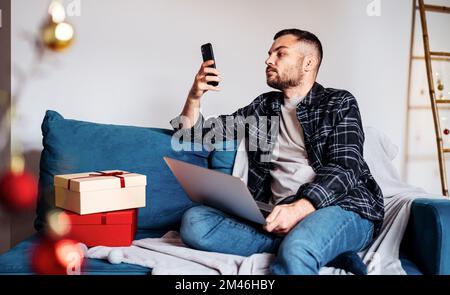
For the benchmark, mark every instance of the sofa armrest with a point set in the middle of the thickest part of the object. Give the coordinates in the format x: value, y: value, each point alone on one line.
x: 427, y: 238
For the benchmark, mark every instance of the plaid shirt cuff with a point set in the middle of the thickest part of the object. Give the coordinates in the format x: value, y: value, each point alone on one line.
x: 316, y: 194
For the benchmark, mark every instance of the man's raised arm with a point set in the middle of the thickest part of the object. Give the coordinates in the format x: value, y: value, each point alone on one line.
x: 191, y: 110
x: 191, y: 123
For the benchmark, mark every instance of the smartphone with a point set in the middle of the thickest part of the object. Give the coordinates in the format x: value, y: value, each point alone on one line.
x: 208, y: 54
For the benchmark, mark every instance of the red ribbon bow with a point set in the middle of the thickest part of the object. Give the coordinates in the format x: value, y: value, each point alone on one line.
x: 117, y: 174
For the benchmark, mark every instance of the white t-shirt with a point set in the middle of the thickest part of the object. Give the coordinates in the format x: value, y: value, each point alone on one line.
x: 289, y: 158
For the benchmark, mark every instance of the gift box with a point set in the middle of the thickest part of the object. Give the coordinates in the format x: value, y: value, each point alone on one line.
x: 102, y: 191
x: 114, y: 229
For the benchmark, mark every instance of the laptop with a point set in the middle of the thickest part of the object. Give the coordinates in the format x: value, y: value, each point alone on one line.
x: 219, y: 190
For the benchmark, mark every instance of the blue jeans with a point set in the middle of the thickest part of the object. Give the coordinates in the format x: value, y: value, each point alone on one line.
x: 312, y: 243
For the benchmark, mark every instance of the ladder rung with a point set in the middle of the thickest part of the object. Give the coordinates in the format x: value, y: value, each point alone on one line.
x: 418, y: 107
x: 439, y: 53
x: 433, y: 58
x: 446, y: 150
x: 436, y: 8
x: 442, y: 100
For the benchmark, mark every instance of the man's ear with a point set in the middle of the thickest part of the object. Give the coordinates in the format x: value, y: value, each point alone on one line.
x: 310, y: 63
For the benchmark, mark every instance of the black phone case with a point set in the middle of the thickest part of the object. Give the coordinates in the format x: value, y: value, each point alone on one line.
x: 208, y: 54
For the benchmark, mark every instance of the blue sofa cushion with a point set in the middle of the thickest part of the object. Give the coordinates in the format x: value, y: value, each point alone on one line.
x: 222, y: 157
x: 72, y: 146
x: 427, y: 237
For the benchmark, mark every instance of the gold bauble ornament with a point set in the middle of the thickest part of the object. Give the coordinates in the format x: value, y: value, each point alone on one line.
x: 440, y: 85
x: 57, y: 36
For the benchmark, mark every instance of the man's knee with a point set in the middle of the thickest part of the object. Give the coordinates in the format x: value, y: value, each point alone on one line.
x: 296, y: 257
x: 195, y: 224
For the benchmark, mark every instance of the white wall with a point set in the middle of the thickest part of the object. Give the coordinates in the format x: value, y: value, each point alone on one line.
x: 134, y: 61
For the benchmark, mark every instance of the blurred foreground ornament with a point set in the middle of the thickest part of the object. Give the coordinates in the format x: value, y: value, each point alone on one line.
x: 58, y: 224
x: 18, y: 188
x: 57, y: 34
x: 62, y: 257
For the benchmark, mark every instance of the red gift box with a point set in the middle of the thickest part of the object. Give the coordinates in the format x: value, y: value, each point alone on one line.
x: 114, y: 229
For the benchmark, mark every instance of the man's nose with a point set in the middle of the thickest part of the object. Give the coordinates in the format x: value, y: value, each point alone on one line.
x: 269, y: 61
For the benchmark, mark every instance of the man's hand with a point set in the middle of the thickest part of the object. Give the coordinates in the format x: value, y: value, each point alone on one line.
x: 284, y: 217
x: 200, y: 85
x: 191, y: 109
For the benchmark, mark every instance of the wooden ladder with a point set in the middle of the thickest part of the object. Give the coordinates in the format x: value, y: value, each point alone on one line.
x: 435, y: 56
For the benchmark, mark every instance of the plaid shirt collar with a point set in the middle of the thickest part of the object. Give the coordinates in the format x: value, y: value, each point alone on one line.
x: 312, y: 98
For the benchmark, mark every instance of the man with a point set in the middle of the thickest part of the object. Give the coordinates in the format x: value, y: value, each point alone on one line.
x: 327, y: 202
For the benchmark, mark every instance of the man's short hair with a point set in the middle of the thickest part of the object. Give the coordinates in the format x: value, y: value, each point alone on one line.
x: 304, y: 36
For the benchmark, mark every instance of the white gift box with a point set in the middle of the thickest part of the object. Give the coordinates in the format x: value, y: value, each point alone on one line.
x: 102, y: 191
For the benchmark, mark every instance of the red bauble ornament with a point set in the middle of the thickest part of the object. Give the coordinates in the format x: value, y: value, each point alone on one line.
x: 446, y: 131
x: 18, y: 191
x: 63, y: 257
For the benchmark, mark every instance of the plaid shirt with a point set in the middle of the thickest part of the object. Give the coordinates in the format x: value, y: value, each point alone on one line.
x: 334, y: 140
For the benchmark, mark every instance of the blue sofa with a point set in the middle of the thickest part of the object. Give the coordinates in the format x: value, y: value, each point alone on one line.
x: 72, y: 146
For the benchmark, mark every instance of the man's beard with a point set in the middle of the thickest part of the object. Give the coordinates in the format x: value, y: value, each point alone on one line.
x: 291, y: 78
